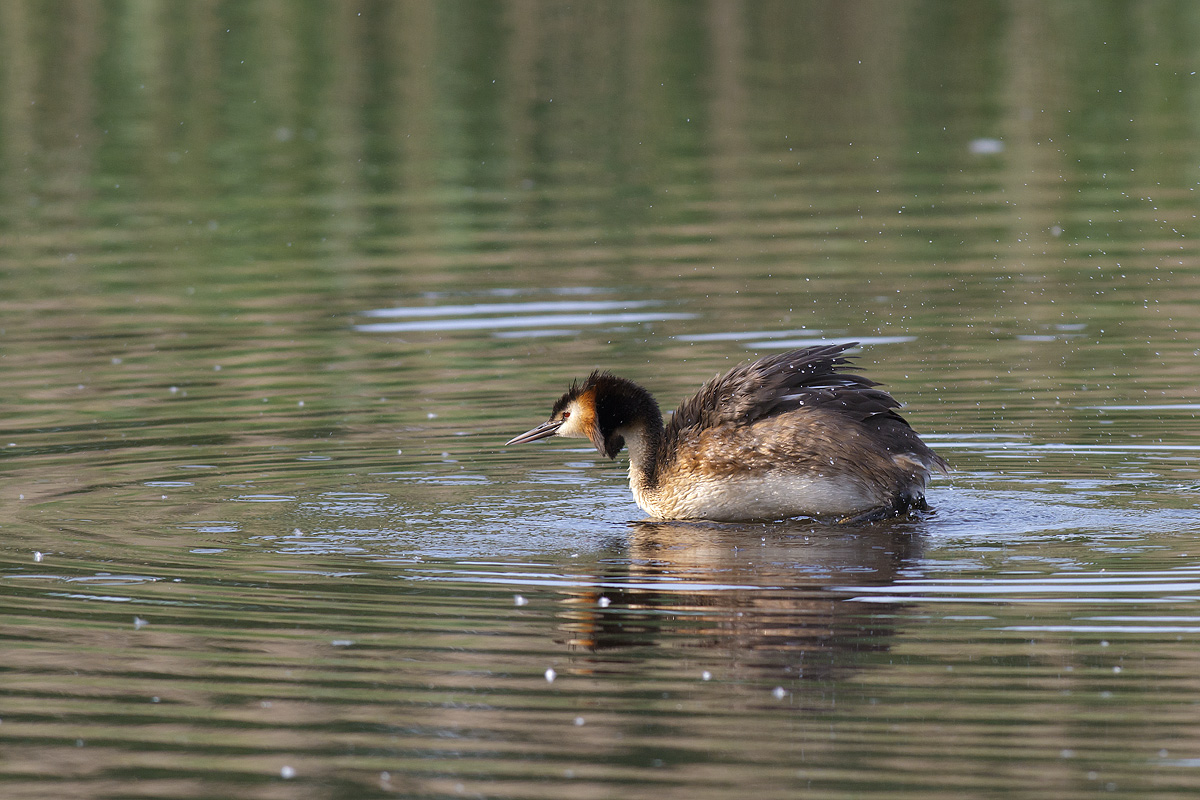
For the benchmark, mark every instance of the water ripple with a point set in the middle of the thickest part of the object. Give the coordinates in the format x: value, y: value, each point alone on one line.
x: 533, y: 321
x: 1063, y: 588
x: 508, y: 308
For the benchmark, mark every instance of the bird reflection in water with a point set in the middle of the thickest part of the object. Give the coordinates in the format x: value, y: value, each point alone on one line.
x: 762, y: 600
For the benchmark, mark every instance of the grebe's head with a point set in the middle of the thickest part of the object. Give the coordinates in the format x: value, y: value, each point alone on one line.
x: 595, y: 410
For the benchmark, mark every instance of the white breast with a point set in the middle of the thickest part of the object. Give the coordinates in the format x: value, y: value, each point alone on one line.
x: 772, y: 496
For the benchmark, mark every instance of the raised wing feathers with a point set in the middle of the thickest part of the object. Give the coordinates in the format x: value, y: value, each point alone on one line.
x: 774, y: 384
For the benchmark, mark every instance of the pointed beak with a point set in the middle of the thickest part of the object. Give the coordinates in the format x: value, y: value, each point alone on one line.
x: 543, y: 431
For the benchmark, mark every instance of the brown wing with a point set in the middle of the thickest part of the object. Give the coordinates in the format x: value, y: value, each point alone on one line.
x: 777, y: 383
x: 809, y: 377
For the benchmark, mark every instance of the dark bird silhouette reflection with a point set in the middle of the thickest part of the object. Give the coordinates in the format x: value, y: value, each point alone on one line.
x: 759, y: 599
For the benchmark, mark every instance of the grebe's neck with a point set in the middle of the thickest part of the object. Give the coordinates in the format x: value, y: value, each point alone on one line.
x: 645, y: 454
x: 627, y: 414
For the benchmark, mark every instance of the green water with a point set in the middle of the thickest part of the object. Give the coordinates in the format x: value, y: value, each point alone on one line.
x: 278, y: 280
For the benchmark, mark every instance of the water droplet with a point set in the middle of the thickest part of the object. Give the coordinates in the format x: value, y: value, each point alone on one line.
x: 550, y: 675
x: 986, y: 147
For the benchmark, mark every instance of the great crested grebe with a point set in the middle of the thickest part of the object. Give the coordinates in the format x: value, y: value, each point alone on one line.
x: 788, y: 435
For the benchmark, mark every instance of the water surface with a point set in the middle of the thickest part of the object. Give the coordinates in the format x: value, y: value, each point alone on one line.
x: 278, y: 282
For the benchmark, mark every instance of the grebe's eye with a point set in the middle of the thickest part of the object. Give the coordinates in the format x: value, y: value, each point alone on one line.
x: 566, y: 415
